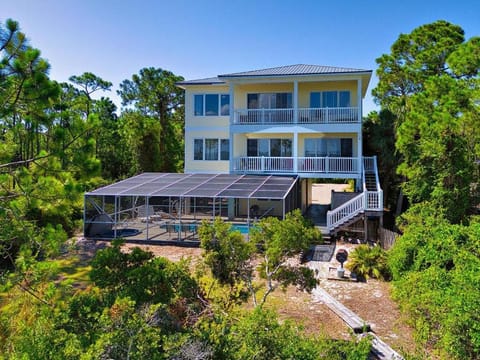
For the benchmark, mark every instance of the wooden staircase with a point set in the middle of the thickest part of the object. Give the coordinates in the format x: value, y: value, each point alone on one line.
x: 370, y: 200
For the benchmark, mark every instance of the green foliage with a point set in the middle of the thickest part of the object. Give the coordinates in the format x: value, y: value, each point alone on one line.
x: 230, y: 257
x: 259, y: 335
x: 367, y: 261
x: 430, y: 83
x: 379, y: 136
x: 155, y: 97
x: 414, y: 58
x: 435, y: 270
x: 128, y: 333
x: 141, y: 276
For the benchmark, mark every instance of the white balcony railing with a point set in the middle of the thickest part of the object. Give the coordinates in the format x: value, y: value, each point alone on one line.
x: 255, y: 164
x: 341, y: 115
x: 328, y: 164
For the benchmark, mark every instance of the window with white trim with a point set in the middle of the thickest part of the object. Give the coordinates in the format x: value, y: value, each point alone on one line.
x: 211, y: 104
x: 211, y: 149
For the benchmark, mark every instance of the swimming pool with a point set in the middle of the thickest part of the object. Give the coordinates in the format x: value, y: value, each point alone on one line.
x: 243, y: 228
x: 121, y: 233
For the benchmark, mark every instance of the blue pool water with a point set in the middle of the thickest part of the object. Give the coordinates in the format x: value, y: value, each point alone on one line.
x: 243, y: 228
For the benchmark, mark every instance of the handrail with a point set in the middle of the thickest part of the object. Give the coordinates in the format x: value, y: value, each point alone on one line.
x: 376, y: 173
x: 346, y: 211
x: 367, y: 200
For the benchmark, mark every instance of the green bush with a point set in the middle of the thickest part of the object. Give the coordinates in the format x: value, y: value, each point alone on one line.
x: 366, y: 261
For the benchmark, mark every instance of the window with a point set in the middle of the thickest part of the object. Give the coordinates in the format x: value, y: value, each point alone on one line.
x: 270, y: 101
x: 269, y: 147
x: 224, y: 105
x: 198, y: 149
x: 224, y: 149
x: 211, y: 149
x: 211, y: 105
x: 198, y: 105
x: 334, y: 147
x: 330, y: 99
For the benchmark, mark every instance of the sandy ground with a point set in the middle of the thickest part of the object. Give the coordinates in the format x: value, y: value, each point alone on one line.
x: 321, y: 193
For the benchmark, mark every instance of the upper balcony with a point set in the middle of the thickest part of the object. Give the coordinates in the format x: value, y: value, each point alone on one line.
x: 337, y: 115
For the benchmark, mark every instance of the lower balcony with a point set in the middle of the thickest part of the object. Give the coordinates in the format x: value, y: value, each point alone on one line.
x: 292, y: 165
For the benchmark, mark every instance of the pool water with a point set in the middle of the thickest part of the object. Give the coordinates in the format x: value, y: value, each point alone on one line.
x: 243, y: 228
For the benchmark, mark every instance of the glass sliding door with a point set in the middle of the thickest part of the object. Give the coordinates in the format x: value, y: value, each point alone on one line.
x: 269, y: 147
x: 269, y: 101
x: 331, y: 147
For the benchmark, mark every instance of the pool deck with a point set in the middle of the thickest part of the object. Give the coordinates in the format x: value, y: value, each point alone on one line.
x: 184, y: 233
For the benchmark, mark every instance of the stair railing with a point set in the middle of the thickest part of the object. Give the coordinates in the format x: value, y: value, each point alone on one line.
x: 374, y: 199
x: 346, y: 211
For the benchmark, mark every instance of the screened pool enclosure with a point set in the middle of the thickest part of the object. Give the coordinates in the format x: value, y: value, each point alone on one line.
x: 170, y: 207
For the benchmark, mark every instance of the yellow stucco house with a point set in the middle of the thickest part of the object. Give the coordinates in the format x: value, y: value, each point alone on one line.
x: 255, y: 142
x: 301, y: 120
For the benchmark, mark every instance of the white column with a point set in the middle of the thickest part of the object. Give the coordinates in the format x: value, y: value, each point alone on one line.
x: 232, y: 116
x: 295, y: 151
x: 295, y: 120
x: 359, y: 135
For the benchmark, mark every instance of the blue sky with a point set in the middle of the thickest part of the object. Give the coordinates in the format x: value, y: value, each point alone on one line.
x: 116, y: 38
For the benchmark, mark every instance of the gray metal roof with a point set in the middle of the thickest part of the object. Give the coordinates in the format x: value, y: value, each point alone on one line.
x: 206, y: 81
x: 299, y: 69
x: 200, y: 185
x: 289, y: 70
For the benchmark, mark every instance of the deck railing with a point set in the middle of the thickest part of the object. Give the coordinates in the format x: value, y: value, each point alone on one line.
x: 346, y: 211
x: 255, y: 164
x: 328, y: 164
x: 339, y: 115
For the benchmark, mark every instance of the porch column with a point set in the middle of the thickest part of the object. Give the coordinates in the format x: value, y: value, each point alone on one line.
x: 359, y: 134
x: 295, y: 151
x: 232, y: 119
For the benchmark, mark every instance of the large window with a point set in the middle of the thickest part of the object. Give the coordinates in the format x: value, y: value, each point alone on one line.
x: 211, y: 105
x: 269, y: 101
x: 269, y: 147
x: 211, y: 149
x: 334, y: 147
x: 330, y: 99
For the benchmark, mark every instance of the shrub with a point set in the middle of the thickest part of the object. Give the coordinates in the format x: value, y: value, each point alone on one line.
x: 368, y: 261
